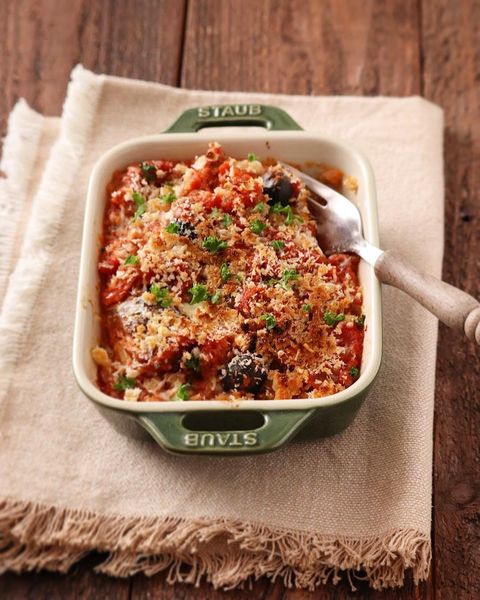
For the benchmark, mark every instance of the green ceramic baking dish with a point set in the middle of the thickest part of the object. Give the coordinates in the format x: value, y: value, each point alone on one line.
x: 219, y: 427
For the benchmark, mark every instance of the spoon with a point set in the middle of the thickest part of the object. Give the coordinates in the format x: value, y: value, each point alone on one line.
x: 339, y: 229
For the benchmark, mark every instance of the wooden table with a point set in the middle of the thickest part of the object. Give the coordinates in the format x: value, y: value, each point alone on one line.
x: 392, y: 47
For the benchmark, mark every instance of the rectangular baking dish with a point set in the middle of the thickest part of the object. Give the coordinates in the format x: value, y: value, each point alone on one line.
x: 219, y: 427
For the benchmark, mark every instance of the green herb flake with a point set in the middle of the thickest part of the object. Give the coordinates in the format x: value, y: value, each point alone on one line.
x: 354, y: 372
x: 332, y: 319
x: 182, y: 393
x: 213, y: 244
x: 124, y: 383
x: 149, y: 171
x: 162, y: 295
x: 172, y: 227
x: 193, y: 363
x: 251, y: 157
x: 307, y: 308
x: 278, y: 245
x: 168, y: 198
x: 290, y: 216
x: 216, y: 297
x: 225, y: 272
x: 140, y: 203
x: 360, y: 321
x: 270, y: 321
x: 276, y: 208
x: 287, y: 276
x: 259, y: 208
x: 132, y: 260
x: 227, y: 220
x: 257, y: 226
x: 199, y: 293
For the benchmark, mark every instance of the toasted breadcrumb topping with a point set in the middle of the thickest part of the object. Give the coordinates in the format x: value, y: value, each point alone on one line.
x: 213, y: 286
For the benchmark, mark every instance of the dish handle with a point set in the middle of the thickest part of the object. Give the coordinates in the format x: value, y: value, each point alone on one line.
x: 232, y: 432
x: 236, y: 115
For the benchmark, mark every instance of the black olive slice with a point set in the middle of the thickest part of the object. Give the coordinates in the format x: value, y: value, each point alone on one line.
x: 245, y: 372
x: 186, y: 229
x: 278, y: 188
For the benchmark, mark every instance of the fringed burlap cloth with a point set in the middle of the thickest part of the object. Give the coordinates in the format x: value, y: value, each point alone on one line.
x: 69, y: 483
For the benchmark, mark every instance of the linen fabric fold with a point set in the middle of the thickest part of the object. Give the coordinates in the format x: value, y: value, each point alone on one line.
x: 70, y: 483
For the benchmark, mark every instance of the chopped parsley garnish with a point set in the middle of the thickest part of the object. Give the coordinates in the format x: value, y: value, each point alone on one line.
x: 216, y: 297
x: 168, y: 198
x: 124, y: 383
x: 290, y: 216
x: 360, y: 321
x: 354, y: 372
x: 182, y: 392
x: 199, y: 293
x: 277, y: 208
x: 227, y: 220
x: 278, y: 244
x: 270, y: 321
x: 213, y: 244
x: 287, y: 276
x: 162, y: 295
x: 251, y: 157
x: 132, y: 260
x: 140, y: 204
x: 307, y: 308
x: 193, y: 363
x: 259, y: 208
x: 149, y: 171
x: 172, y: 227
x: 332, y: 319
x: 257, y: 226
x: 225, y: 272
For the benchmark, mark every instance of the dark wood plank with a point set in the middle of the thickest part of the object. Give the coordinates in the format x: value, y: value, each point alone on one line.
x: 303, y: 46
x: 41, y: 40
x: 450, y: 39
x: 156, y: 588
x: 81, y: 583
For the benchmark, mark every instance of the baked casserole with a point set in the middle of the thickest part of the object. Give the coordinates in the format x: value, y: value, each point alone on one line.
x: 213, y: 285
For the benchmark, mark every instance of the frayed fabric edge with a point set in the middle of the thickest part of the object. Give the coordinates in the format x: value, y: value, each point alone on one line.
x: 46, y: 218
x: 18, y: 157
x: 228, y: 553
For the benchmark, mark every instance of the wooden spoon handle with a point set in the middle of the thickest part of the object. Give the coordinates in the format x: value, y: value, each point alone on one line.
x: 453, y: 307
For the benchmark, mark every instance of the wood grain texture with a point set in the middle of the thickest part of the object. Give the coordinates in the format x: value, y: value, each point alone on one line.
x: 451, y: 48
x: 156, y: 588
x: 303, y: 46
x: 398, y: 47
x: 81, y: 583
x: 42, y: 40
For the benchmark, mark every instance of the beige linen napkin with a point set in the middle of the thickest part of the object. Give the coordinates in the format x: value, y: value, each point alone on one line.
x: 25, y: 151
x: 69, y: 483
